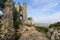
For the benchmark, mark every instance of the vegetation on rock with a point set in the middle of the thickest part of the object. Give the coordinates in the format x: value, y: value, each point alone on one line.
x: 16, y: 24
x: 41, y: 29
x: 16, y: 20
x: 54, y: 31
x: 56, y: 25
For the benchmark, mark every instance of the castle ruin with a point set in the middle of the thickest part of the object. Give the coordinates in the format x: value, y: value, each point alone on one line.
x: 22, y: 12
x: 7, y: 29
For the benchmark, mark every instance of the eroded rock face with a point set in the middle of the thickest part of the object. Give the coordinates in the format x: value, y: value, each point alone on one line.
x: 7, y: 30
x: 7, y: 34
x: 31, y: 34
x: 54, y: 34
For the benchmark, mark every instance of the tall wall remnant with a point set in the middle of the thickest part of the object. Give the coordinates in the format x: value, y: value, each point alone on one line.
x: 23, y: 12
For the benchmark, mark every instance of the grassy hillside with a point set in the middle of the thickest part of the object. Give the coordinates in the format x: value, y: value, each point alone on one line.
x: 41, y: 29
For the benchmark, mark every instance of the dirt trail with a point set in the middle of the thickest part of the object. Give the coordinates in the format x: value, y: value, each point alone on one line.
x: 30, y: 33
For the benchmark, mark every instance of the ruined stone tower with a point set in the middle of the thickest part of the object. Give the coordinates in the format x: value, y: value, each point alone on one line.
x: 8, y: 27
x: 18, y: 7
x: 24, y: 13
x: 19, y: 10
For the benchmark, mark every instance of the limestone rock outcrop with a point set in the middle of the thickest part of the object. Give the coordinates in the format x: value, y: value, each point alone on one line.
x: 54, y: 34
x: 7, y: 30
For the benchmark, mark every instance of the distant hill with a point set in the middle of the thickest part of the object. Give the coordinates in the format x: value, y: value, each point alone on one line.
x: 41, y: 24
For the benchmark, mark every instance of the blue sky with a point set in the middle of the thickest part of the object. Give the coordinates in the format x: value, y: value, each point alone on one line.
x: 42, y: 11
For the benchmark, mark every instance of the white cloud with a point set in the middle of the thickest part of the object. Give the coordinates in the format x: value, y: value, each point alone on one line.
x: 36, y: 8
x: 49, y: 19
x: 50, y: 5
x: 37, y: 2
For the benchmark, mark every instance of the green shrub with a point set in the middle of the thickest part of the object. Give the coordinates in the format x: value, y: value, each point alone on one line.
x: 16, y: 19
x: 41, y: 29
x: 16, y: 24
x: 56, y: 25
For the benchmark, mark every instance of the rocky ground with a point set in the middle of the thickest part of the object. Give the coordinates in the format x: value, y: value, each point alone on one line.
x: 30, y: 33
